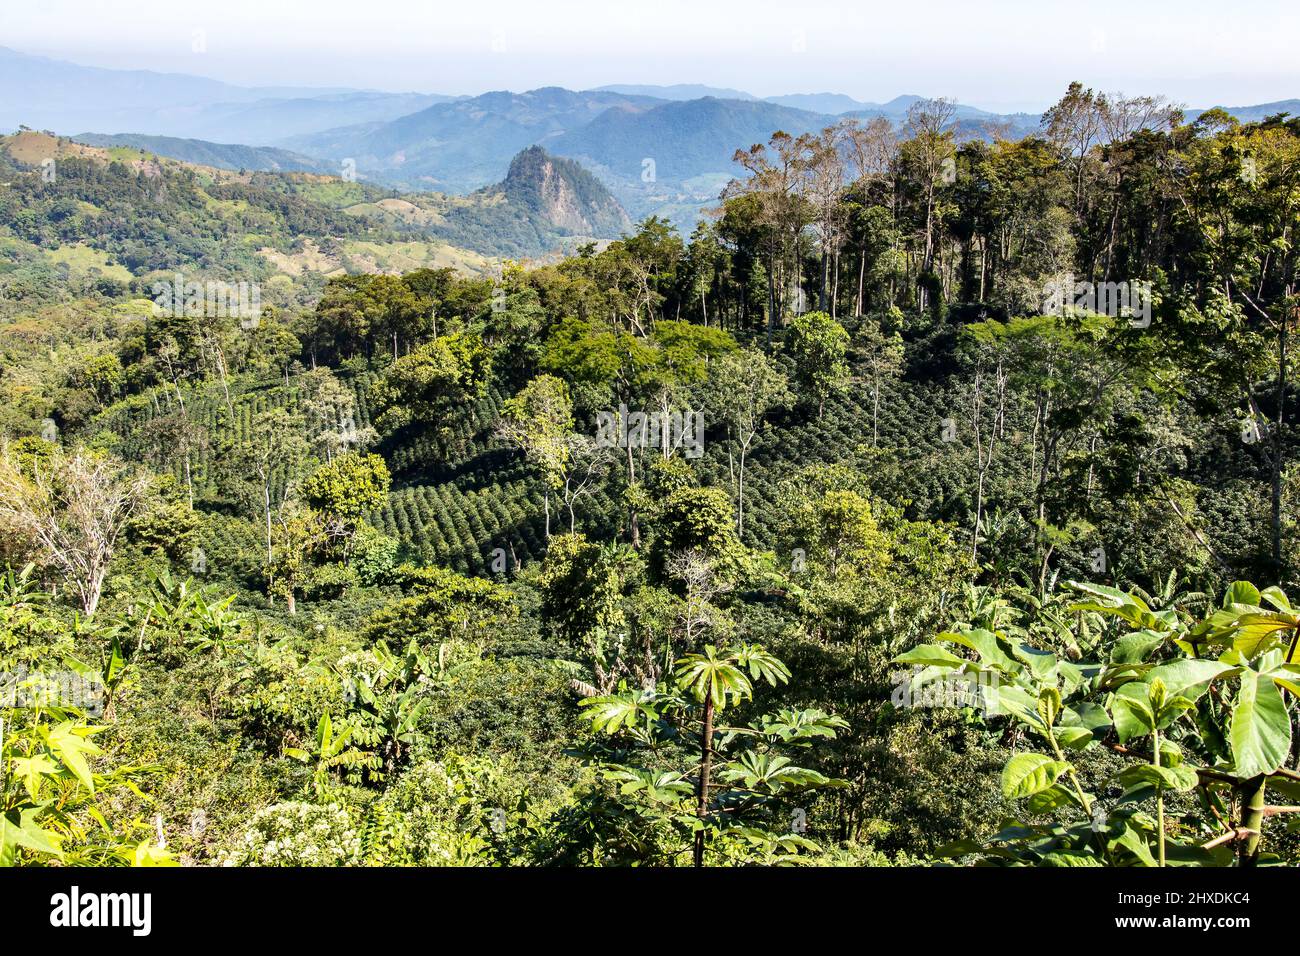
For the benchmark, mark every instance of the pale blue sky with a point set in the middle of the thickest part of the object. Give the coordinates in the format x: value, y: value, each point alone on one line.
x: 998, y: 54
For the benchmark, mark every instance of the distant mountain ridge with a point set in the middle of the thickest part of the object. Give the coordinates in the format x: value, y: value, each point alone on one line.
x: 232, y: 156
x: 67, y: 98
x: 465, y: 144
x: 676, y: 91
x: 1253, y: 114
x: 682, y: 139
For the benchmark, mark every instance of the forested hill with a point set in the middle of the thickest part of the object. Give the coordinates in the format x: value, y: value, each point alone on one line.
x: 542, y: 200
x: 149, y: 214
x: 75, y: 216
x: 934, y: 500
x: 545, y: 204
x: 218, y: 155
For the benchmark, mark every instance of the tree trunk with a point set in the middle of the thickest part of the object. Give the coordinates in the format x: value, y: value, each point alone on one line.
x: 875, y: 414
x: 1279, y: 449
x: 266, y: 503
x: 862, y: 275
x: 1252, y: 819
x: 706, y: 769
x: 740, y: 493
x: 633, y: 522
x: 771, y: 304
x: 93, y: 591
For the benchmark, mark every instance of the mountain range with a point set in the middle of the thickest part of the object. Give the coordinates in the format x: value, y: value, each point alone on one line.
x: 663, y: 150
x: 68, y: 98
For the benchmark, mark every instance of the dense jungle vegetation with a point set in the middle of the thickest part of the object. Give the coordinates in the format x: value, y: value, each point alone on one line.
x: 949, y: 575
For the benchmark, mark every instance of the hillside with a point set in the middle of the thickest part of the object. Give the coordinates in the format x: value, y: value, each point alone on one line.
x: 121, y: 213
x: 217, y: 155
x: 647, y: 476
x: 545, y: 203
x: 684, y: 139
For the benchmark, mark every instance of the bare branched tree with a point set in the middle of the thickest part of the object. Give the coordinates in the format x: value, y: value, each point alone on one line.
x: 699, y: 615
x: 585, y: 463
x: 71, y: 509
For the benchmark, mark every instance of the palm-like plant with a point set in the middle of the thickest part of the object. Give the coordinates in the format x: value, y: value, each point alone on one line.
x: 330, y: 750
x: 753, y: 773
x: 1171, y: 596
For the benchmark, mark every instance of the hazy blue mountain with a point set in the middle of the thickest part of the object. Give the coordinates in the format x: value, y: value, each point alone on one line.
x: 67, y: 98
x: 42, y: 92
x: 1253, y: 114
x: 266, y: 159
x: 683, y: 139
x: 831, y: 104
x: 270, y: 121
x: 467, y: 143
x: 677, y: 91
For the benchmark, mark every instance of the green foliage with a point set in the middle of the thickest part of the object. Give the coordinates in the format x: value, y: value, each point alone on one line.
x: 61, y: 800
x: 1198, y: 701
x: 428, y: 383
x: 348, y: 487
x: 675, y: 794
x: 337, y: 648
x: 819, y: 344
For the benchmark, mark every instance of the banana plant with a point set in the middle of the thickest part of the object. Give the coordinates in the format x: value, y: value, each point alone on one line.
x: 1200, y: 705
x: 387, y: 704
x: 182, y: 617
x: 330, y: 751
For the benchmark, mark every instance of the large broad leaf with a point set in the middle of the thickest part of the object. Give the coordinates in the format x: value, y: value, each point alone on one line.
x: 1134, y: 648
x: 616, y: 711
x: 987, y: 646
x: 1118, y: 603
x: 1276, y: 597
x: 1131, y: 710
x: 658, y: 786
x: 1287, y: 676
x: 1073, y: 738
x: 1053, y: 798
x: 1254, y: 634
x: 802, y: 725
x: 70, y: 744
x: 930, y: 655
x: 1131, y: 840
x: 768, y: 773
x: 1027, y: 774
x: 32, y: 771
x: 1069, y: 858
x: 1261, y: 726
x: 1181, y: 778
x: 1015, y: 700
x: 1043, y: 664
x: 1241, y: 592
x: 708, y: 676
x: 1184, y: 678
